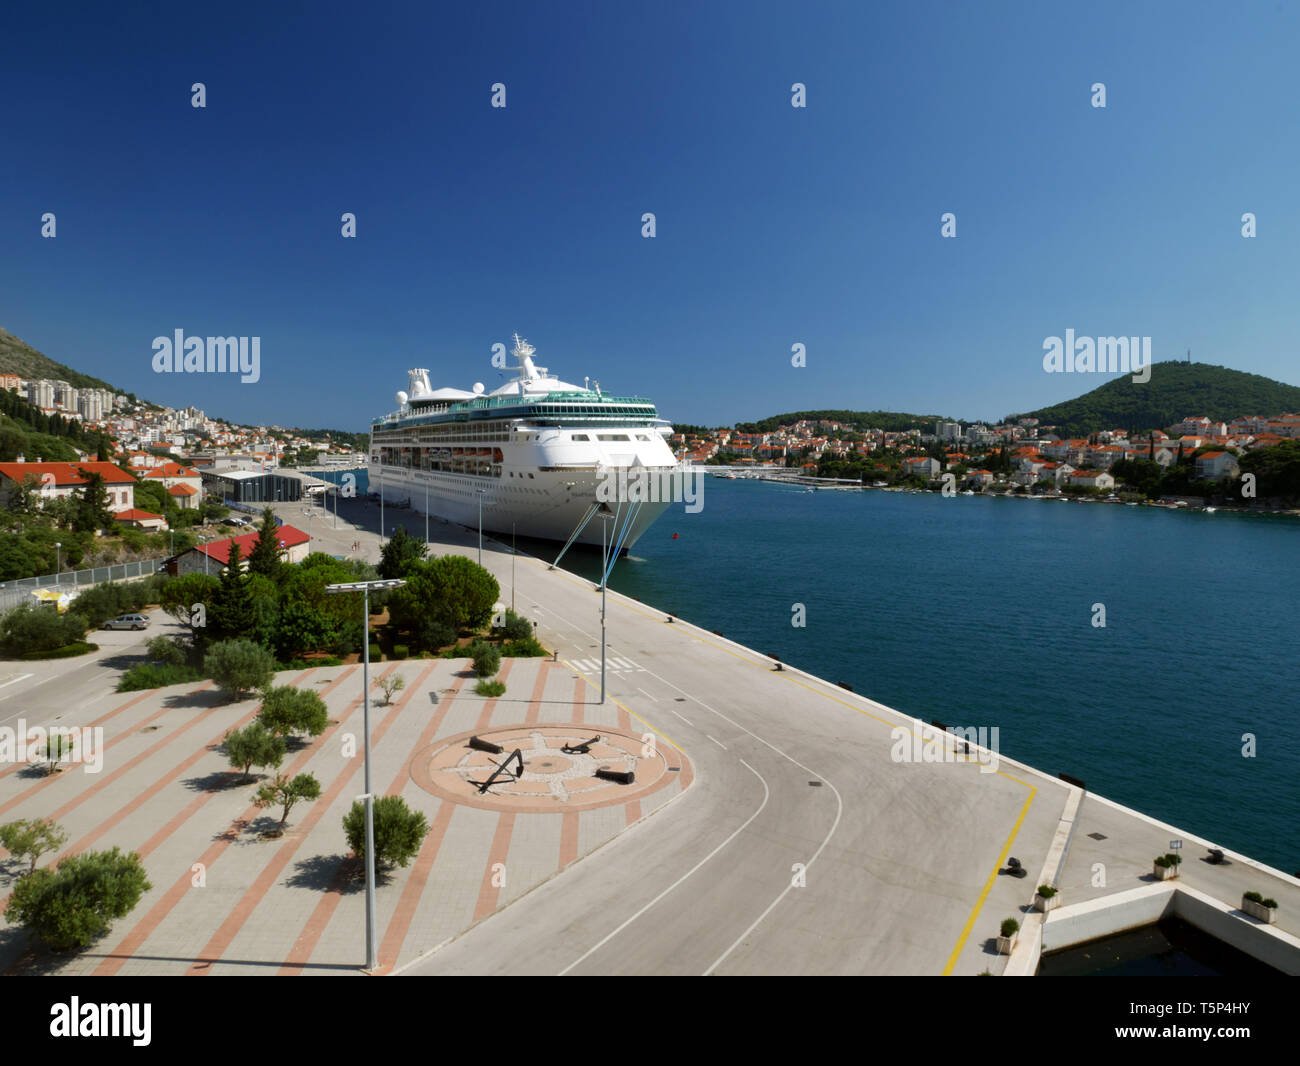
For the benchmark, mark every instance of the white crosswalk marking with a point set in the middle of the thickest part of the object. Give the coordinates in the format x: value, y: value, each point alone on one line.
x: 613, y: 664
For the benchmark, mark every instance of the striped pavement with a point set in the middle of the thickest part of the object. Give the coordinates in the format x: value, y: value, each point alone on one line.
x: 225, y: 899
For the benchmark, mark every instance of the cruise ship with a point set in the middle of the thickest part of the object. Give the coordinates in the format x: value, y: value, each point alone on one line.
x: 537, y: 455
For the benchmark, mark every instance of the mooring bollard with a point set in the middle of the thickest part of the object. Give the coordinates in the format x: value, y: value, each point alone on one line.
x: 485, y: 745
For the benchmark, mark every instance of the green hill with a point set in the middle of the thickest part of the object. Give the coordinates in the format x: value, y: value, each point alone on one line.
x: 889, y: 421
x: 1176, y: 391
x: 19, y: 357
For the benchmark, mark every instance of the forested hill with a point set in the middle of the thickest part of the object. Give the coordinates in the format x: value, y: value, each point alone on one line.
x: 889, y: 421
x: 1176, y: 391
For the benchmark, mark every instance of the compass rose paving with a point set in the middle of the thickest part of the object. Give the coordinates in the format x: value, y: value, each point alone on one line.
x: 226, y: 899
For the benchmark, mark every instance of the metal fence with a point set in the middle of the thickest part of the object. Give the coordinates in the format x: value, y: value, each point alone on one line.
x: 15, y: 592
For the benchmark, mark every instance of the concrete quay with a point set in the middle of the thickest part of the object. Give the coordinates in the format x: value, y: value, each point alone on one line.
x: 903, y: 863
x: 769, y: 829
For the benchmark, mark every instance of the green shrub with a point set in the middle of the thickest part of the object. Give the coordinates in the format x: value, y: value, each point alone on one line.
x: 163, y: 649
x: 375, y: 653
x: 72, y: 905
x: 1046, y: 891
x: 239, y: 666
x: 490, y: 688
x: 1270, y: 903
x: 522, y: 649
x: 79, y: 647
x: 1173, y: 858
x: 1010, y: 927
x: 400, y: 651
x: 515, y: 628
x: 399, y: 831
x: 1162, y: 861
x: 487, y: 659
x: 33, y: 627
x: 1254, y: 897
x: 155, y: 675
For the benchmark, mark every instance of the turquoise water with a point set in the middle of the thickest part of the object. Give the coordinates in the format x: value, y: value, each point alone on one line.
x: 978, y: 611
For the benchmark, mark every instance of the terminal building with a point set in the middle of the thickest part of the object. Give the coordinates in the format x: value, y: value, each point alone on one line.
x: 258, y: 486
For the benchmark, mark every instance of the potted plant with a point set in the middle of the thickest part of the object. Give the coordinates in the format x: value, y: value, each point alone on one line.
x: 1007, y: 941
x: 1048, y: 898
x: 1166, y: 866
x: 1258, y: 907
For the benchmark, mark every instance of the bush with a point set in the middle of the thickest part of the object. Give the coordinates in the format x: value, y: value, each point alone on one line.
x: 72, y: 905
x: 287, y: 710
x: 154, y: 675
x: 399, y: 831
x: 431, y: 633
x: 400, y: 651
x: 1010, y: 927
x: 239, y: 666
x: 1270, y: 903
x: 487, y: 659
x: 516, y: 628
x: 376, y: 654
x: 1254, y: 897
x: 490, y: 688
x: 522, y: 649
x: 165, y: 650
x: 33, y: 627
x: 1046, y: 891
x: 1162, y: 861
x: 1173, y: 858
x: 389, y: 685
x: 79, y: 647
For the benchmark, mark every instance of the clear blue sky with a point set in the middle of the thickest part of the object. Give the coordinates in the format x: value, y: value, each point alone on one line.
x: 775, y: 225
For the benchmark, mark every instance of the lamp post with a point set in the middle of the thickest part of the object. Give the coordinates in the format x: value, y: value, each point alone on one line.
x: 381, y: 505
x: 426, y: 514
x: 605, y: 515
x: 58, y: 562
x: 364, y: 587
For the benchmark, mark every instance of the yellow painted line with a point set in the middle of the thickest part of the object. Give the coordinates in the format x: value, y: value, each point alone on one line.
x: 988, y: 885
x: 653, y: 729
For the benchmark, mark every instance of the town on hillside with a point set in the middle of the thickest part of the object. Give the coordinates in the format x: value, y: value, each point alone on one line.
x: 1195, y: 457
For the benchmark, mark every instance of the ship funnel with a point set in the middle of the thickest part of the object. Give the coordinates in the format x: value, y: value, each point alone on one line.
x: 419, y: 383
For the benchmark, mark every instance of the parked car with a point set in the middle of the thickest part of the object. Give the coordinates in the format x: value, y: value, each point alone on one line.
x: 127, y: 621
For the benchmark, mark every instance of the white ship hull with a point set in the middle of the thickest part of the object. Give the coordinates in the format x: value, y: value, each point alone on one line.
x: 548, y: 507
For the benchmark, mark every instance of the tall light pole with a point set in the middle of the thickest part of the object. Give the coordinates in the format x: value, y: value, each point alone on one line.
x: 58, y: 562
x: 364, y: 587
x: 381, y: 504
x: 426, y: 514
x: 605, y: 515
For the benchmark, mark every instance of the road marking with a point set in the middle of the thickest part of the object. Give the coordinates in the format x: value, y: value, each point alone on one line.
x: 683, y: 718
x: 988, y: 885
x: 646, y: 694
x: 20, y: 677
x: 717, y: 742
x: 596, y: 947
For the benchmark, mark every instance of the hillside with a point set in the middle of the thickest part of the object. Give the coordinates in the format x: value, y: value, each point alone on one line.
x: 19, y: 357
x: 1176, y: 391
x: 889, y: 421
